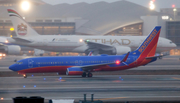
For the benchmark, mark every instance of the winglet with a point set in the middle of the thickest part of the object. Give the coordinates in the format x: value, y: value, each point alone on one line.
x: 125, y: 58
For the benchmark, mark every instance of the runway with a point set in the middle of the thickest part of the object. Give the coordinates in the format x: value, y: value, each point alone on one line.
x: 108, y: 88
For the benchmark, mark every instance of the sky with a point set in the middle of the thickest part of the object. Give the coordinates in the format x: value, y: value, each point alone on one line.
x: 158, y: 3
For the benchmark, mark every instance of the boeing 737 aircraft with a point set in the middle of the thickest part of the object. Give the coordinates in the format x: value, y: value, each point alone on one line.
x: 84, y: 65
x: 112, y: 45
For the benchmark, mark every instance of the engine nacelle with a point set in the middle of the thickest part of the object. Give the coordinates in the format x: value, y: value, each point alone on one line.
x: 121, y: 50
x: 13, y: 50
x: 74, y: 71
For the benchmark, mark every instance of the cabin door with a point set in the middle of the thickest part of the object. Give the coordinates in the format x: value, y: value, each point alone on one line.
x: 135, y: 60
x: 30, y: 63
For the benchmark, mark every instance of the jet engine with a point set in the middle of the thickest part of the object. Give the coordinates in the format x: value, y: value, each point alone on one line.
x: 12, y: 49
x: 121, y: 50
x: 74, y: 71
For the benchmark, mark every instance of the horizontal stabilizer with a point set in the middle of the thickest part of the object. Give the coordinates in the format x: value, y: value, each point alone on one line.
x: 159, y: 56
x: 125, y: 63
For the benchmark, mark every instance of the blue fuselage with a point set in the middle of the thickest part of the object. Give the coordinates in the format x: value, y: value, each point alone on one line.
x: 60, y: 64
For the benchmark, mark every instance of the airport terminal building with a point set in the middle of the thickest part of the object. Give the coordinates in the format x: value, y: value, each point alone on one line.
x: 101, y: 18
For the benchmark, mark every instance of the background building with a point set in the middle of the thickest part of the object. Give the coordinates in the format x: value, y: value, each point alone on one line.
x: 100, y: 18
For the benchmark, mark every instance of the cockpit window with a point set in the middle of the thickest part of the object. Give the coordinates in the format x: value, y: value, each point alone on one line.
x: 19, y: 63
x: 170, y: 42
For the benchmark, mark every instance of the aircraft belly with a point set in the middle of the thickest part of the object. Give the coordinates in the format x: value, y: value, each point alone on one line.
x: 60, y: 69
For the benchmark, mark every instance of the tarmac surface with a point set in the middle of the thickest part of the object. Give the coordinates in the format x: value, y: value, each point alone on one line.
x: 104, y: 87
x: 108, y: 88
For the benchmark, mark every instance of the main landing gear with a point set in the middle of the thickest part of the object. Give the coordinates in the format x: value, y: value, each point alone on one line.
x: 89, y: 74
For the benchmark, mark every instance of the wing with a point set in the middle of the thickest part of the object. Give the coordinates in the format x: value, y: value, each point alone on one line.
x: 95, y: 66
x: 21, y: 40
x: 94, y: 45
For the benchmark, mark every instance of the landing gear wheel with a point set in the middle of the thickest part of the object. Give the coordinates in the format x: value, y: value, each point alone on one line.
x: 25, y: 76
x: 90, y: 74
x: 84, y: 74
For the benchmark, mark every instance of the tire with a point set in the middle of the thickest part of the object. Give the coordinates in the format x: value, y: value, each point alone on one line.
x: 84, y: 74
x: 90, y: 74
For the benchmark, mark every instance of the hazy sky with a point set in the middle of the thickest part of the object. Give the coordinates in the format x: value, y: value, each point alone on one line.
x: 159, y: 3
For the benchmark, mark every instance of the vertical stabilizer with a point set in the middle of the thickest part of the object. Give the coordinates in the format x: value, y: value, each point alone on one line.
x: 21, y: 27
x: 148, y: 47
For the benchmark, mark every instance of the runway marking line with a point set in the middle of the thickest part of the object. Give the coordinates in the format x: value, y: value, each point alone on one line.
x: 176, y: 78
x: 112, y: 98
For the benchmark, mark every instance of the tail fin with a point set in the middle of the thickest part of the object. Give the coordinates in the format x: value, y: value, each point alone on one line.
x: 148, y: 47
x: 21, y: 27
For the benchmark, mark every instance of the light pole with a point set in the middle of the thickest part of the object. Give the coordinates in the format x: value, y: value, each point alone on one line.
x: 174, y: 13
x: 151, y: 5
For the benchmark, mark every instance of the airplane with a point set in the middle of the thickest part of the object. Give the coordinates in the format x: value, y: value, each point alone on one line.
x: 111, y: 45
x: 84, y: 65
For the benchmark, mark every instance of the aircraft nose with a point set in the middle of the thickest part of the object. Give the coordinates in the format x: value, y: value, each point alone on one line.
x: 174, y: 45
x: 12, y: 67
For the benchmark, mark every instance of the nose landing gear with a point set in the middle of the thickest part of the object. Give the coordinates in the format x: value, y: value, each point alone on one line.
x: 84, y: 74
x: 24, y: 75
